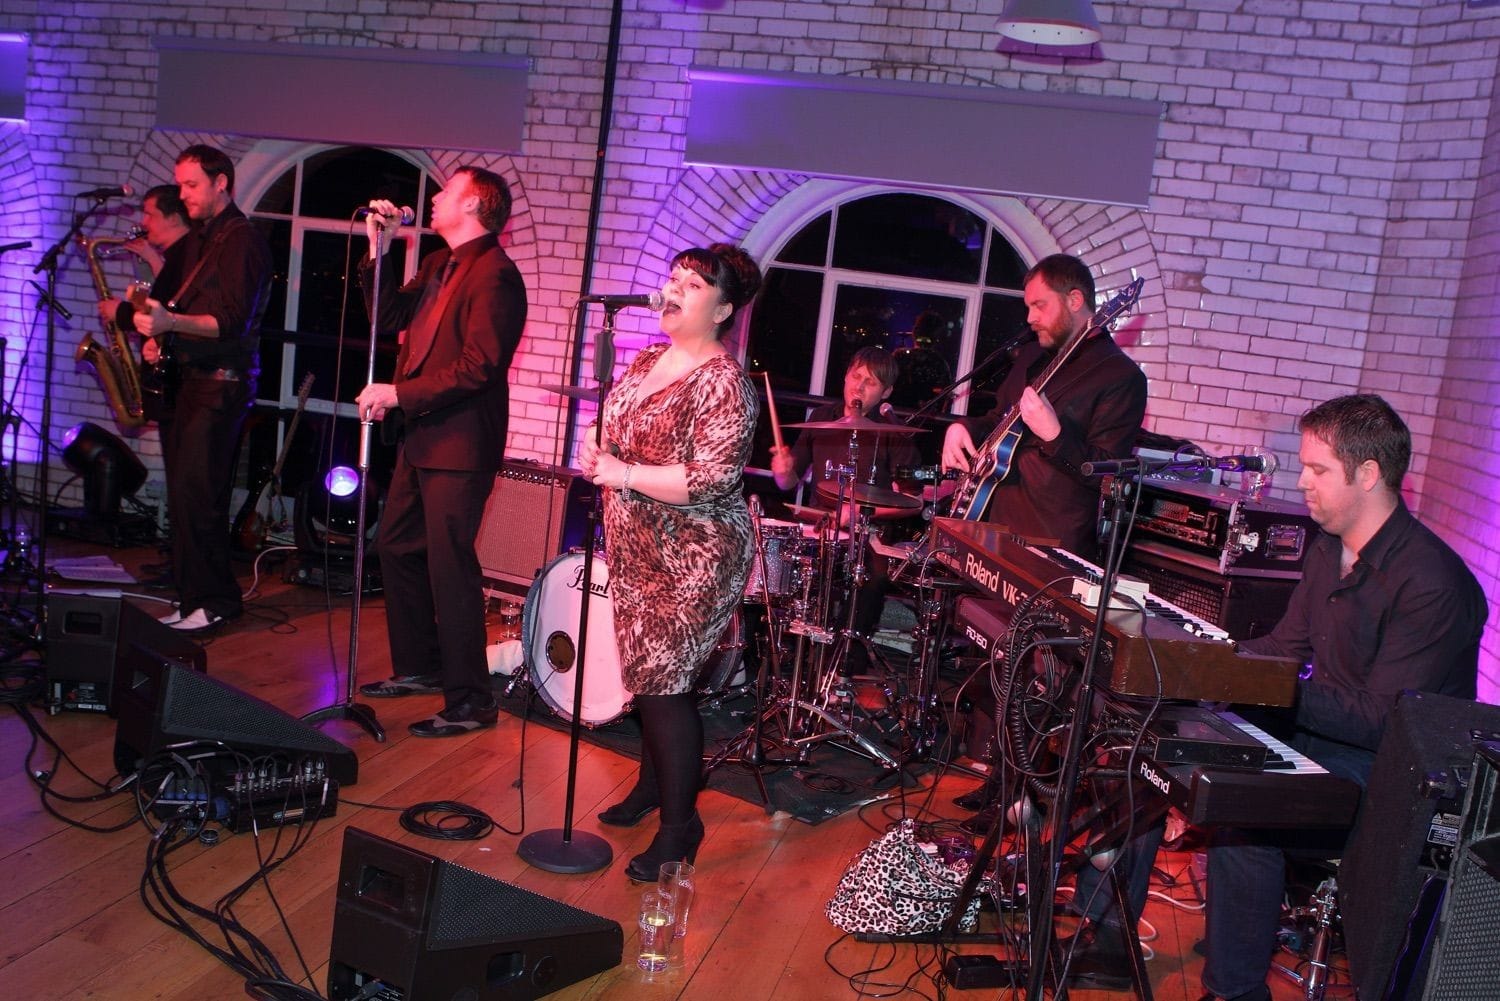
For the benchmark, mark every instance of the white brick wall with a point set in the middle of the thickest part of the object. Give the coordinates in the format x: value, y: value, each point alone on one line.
x: 1323, y: 215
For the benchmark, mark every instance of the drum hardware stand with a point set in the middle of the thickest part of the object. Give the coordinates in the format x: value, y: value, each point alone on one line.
x: 349, y: 709
x: 563, y: 849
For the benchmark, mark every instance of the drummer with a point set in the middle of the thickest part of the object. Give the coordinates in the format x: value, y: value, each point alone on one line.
x: 868, y: 382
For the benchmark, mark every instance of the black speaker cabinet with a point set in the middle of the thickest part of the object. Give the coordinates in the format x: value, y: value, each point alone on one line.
x: 534, y: 513
x: 430, y: 930
x: 1241, y: 606
x: 1463, y: 965
x: 1407, y: 826
x: 87, y: 631
x: 162, y: 703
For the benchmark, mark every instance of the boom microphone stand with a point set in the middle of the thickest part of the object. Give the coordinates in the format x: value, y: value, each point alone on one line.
x: 564, y: 849
x: 348, y: 708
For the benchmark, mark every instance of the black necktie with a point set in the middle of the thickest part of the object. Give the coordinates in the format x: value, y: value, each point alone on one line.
x: 425, y: 320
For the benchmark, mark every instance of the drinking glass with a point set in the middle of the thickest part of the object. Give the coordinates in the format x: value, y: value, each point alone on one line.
x: 677, y: 880
x: 656, y: 923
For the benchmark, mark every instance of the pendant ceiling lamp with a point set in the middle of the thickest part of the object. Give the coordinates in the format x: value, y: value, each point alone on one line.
x: 1050, y: 22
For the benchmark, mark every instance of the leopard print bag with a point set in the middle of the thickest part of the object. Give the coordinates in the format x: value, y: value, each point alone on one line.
x: 893, y: 887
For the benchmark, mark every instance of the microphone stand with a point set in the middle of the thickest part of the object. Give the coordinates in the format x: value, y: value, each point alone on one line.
x: 44, y: 434
x: 349, y: 709
x: 563, y: 849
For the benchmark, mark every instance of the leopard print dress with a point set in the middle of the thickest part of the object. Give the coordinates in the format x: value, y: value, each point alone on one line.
x: 677, y: 571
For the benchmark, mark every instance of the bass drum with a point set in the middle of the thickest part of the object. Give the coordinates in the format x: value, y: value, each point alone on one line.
x: 549, y: 637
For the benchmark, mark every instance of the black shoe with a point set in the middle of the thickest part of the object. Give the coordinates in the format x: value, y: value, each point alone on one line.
x: 626, y: 813
x: 673, y: 843
x: 456, y: 722
x: 974, y: 799
x: 1262, y: 993
x: 1100, y: 960
x: 402, y: 684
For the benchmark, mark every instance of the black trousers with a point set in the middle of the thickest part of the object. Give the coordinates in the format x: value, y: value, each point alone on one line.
x: 199, y: 445
x: 434, y: 590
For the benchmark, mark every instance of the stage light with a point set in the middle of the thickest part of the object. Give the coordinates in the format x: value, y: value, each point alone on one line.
x: 326, y: 520
x: 1051, y: 22
x: 110, y: 470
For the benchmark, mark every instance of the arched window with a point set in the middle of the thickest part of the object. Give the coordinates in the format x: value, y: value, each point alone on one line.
x: 933, y: 281
x: 315, y: 314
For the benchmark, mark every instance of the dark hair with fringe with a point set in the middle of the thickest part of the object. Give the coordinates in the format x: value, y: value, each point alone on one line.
x: 727, y: 268
x: 1359, y: 428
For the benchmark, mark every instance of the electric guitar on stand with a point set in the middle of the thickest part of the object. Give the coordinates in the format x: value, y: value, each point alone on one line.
x: 264, y: 508
x: 992, y: 460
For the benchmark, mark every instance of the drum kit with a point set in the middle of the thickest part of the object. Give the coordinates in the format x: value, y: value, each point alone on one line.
x: 799, y: 601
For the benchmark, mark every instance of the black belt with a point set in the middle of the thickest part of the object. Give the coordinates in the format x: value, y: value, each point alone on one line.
x: 217, y: 374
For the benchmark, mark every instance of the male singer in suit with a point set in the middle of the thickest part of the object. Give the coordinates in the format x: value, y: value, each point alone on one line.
x: 462, y: 317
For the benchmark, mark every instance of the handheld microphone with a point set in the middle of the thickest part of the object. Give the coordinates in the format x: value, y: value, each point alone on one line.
x: 118, y: 191
x: 408, y: 215
x: 885, y: 409
x: 653, y: 301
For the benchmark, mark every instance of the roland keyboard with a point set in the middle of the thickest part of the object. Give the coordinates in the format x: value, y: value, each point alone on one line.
x: 1291, y: 790
x: 1160, y: 650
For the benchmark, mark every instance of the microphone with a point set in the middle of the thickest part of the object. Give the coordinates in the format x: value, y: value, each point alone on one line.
x: 1227, y: 463
x: 1244, y: 463
x: 653, y: 301
x: 118, y: 191
x: 408, y: 216
x: 885, y: 409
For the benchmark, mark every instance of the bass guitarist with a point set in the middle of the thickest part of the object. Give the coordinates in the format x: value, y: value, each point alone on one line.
x: 1090, y: 408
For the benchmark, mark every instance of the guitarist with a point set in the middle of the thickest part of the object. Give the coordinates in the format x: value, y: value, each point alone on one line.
x: 1090, y: 409
x: 213, y: 320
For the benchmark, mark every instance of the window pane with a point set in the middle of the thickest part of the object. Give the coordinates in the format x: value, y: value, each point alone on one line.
x: 278, y: 234
x: 338, y: 181
x: 323, y: 289
x: 810, y: 246
x: 912, y: 235
x: 1005, y: 268
x: 1001, y: 318
x: 278, y: 197
x: 784, y: 327
x: 893, y: 319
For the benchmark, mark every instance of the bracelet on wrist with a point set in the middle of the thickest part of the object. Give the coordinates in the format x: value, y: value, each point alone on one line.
x: 625, y: 483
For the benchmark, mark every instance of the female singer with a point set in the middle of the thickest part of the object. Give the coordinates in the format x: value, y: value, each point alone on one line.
x: 677, y: 430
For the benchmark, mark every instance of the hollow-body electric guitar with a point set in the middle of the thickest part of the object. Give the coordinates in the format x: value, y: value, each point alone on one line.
x: 992, y: 460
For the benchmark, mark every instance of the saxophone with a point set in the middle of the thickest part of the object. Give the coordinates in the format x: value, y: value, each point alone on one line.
x: 115, y: 365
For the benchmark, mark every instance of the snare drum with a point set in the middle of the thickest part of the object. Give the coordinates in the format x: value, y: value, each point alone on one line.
x: 549, y: 635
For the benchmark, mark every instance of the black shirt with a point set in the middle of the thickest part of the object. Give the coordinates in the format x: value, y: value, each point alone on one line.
x: 233, y: 286
x: 1408, y: 615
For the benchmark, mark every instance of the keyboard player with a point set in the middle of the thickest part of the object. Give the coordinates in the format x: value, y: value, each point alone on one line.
x: 1384, y: 605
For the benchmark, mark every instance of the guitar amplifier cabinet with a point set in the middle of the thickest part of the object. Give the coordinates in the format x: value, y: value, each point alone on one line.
x: 1241, y: 606
x: 534, y: 513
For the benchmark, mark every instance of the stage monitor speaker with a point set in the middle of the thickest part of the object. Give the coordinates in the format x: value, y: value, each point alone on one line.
x: 1463, y: 966
x: 430, y: 930
x: 162, y: 703
x: 1241, y: 606
x: 534, y: 513
x: 1407, y: 826
x: 87, y: 631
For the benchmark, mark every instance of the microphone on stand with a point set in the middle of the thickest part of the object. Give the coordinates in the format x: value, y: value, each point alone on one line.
x: 1228, y: 463
x: 118, y: 191
x: 653, y: 301
x: 408, y: 214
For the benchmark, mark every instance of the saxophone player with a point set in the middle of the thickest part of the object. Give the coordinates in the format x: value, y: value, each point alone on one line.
x: 165, y: 244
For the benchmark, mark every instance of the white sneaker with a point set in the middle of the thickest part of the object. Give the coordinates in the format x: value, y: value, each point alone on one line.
x: 171, y: 619
x: 200, y: 619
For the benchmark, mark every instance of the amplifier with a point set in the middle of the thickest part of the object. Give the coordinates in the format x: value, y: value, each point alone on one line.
x: 1244, y: 607
x: 1223, y: 530
x: 534, y: 513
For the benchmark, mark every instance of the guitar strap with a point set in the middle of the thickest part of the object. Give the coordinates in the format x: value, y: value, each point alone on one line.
x: 209, y: 253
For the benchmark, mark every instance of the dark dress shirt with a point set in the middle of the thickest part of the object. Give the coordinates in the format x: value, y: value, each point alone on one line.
x: 233, y: 286
x: 1408, y: 615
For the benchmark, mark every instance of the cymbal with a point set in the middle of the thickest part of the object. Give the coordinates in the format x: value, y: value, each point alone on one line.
x: 863, y: 425
x: 873, y: 496
x: 576, y: 392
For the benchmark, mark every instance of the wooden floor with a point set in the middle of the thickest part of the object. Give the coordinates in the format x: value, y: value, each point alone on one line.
x: 75, y: 927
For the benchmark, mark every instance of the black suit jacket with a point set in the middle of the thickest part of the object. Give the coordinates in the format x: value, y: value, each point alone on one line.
x: 455, y: 400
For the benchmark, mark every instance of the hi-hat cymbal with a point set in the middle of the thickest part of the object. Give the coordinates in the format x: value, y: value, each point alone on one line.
x: 872, y: 496
x: 576, y: 392
x: 863, y: 425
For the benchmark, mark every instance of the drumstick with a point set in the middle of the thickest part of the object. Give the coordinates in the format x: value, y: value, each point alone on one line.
x: 771, y: 409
